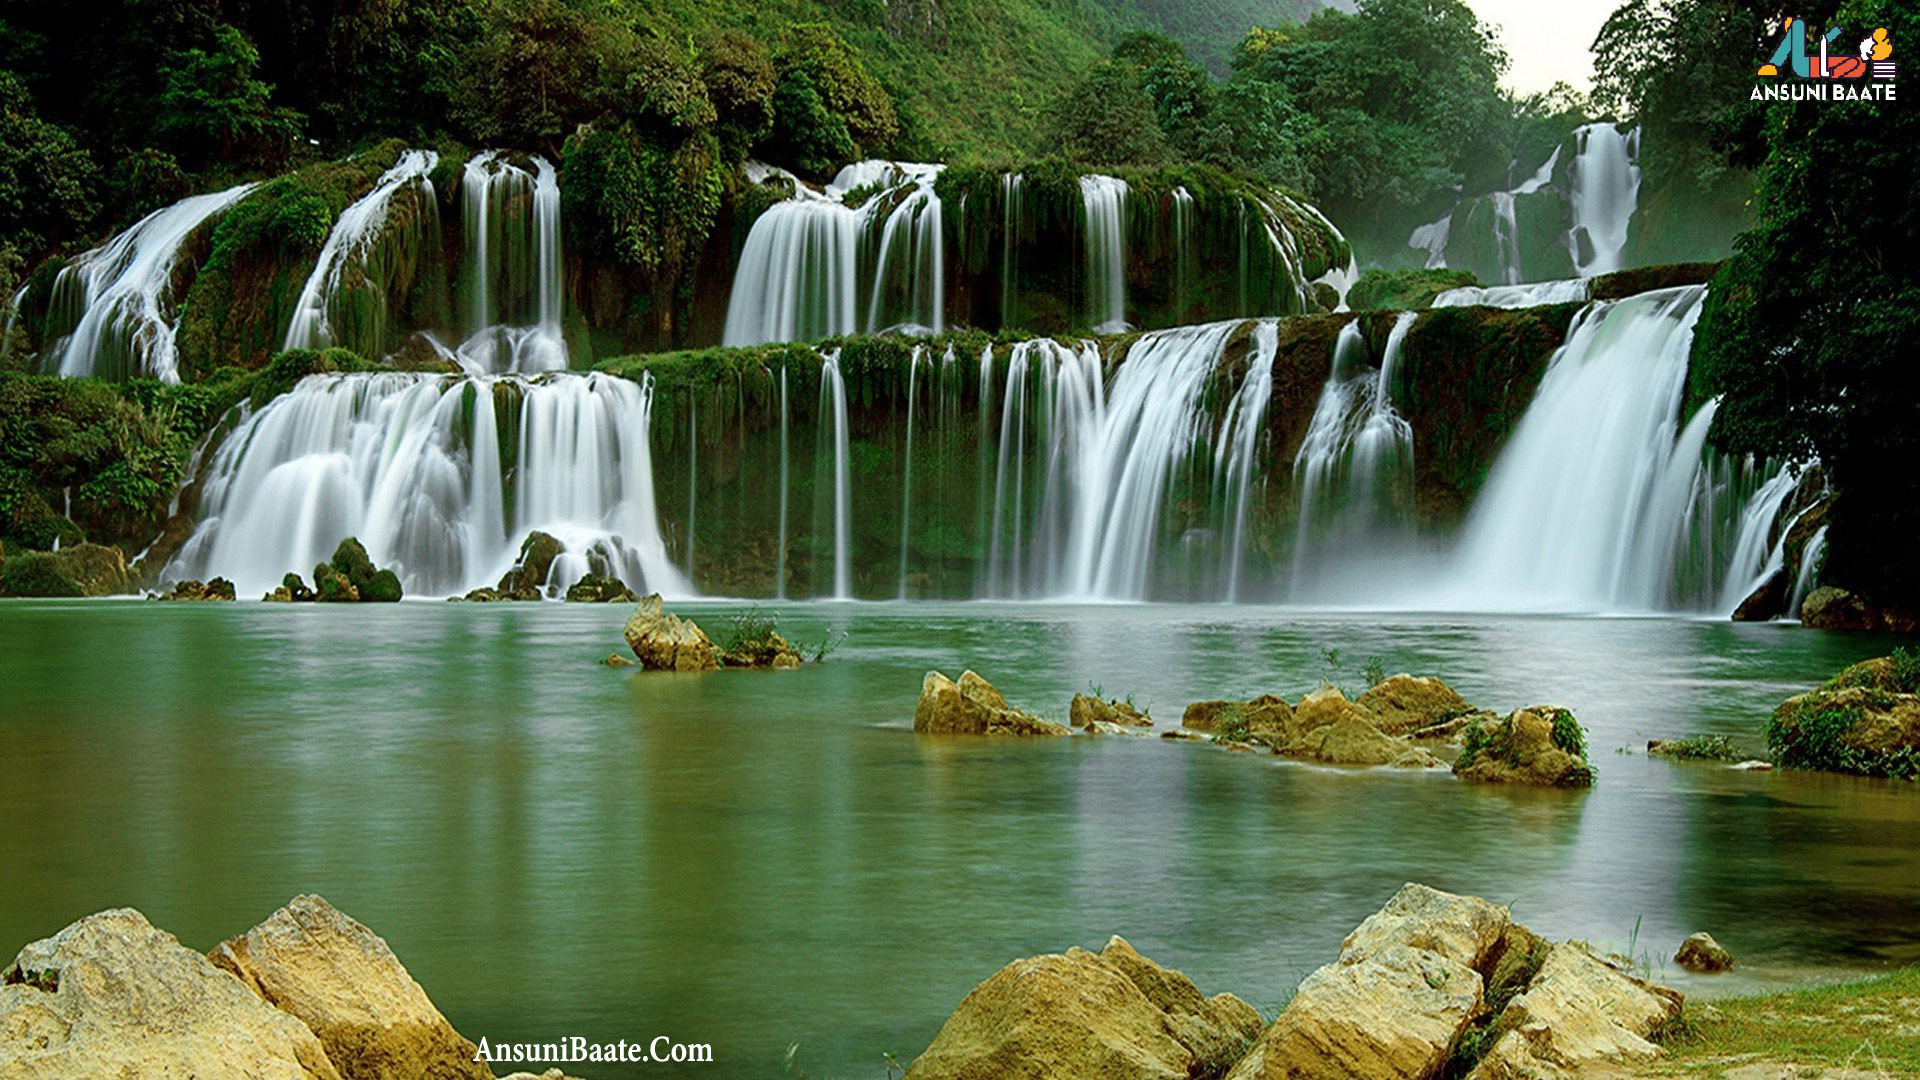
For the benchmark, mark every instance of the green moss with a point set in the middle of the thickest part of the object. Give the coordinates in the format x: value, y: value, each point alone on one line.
x: 36, y: 573
x: 1568, y: 735
x: 1817, y: 731
x: 1404, y: 290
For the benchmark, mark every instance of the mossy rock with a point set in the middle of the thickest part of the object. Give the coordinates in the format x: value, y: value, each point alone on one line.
x: 383, y: 587
x: 594, y: 589
x: 80, y: 570
x: 1624, y: 283
x: 1405, y: 290
x: 333, y: 587
x: 1865, y: 720
x: 36, y: 573
x: 351, y: 559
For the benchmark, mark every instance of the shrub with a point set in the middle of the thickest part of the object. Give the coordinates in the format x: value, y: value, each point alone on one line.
x: 1568, y: 735
x: 35, y: 573
x: 1814, y: 732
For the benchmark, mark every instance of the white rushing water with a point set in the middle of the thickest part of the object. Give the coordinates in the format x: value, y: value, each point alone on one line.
x: 512, y: 269
x: 1517, y: 296
x: 833, y: 405
x: 343, y: 259
x: 441, y: 477
x: 1601, y: 496
x: 1105, y: 202
x: 815, y: 267
x: 121, y: 298
x: 1605, y: 179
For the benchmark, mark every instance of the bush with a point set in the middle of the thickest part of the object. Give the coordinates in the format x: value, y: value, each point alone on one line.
x: 1568, y: 735
x: 1815, y: 732
x: 35, y: 573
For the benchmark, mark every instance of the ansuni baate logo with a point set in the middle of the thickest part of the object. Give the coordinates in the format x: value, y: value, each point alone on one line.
x: 1830, y: 75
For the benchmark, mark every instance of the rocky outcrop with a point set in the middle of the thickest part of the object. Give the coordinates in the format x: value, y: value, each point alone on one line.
x: 665, y: 642
x: 292, y: 590
x: 594, y: 589
x: 111, y: 996
x: 765, y: 648
x: 1703, y: 954
x: 217, y: 590
x: 344, y: 983
x: 74, y: 570
x: 1403, y: 704
x: 528, y: 578
x: 1081, y: 1014
x: 1436, y: 983
x: 1865, y: 720
x: 350, y: 577
x: 1828, y: 608
x: 1086, y: 712
x: 972, y: 706
x: 1542, y: 745
x: 1267, y: 718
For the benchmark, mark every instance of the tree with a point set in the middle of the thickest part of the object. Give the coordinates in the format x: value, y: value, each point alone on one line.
x: 827, y: 109
x: 1810, y: 331
x: 740, y: 81
x: 49, y: 187
x: 1107, y: 118
x: 214, y: 109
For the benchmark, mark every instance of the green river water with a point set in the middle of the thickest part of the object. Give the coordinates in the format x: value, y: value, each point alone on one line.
x: 759, y: 859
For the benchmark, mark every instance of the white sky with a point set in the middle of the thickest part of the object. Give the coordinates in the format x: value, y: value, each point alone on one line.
x: 1548, y: 40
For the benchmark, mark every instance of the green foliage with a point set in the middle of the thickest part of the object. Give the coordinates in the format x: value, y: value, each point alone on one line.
x: 35, y: 573
x: 827, y: 109
x: 740, y: 82
x: 49, y: 187
x: 1231, y: 725
x: 1493, y: 738
x: 1375, y: 671
x: 1404, y: 290
x: 647, y: 205
x: 1107, y: 119
x: 1808, y: 330
x: 751, y: 631
x: 215, y: 109
x: 1904, y: 674
x: 1701, y: 748
x: 1568, y: 735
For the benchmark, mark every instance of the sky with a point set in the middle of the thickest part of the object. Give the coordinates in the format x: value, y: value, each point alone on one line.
x: 1548, y: 40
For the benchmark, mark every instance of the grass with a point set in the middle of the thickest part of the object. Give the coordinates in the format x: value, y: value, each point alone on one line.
x: 1700, y: 748
x: 1871, y: 1026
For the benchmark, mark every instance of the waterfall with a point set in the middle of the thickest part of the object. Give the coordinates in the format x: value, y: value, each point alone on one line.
x: 1105, y: 199
x: 1605, y: 179
x: 1432, y: 238
x: 1354, y: 471
x: 1577, y: 290
x: 1809, y: 570
x: 1599, y: 496
x: 343, y: 261
x: 1010, y: 240
x: 1750, y: 548
x: 1182, y: 248
x: 914, y: 363
x: 512, y: 266
x: 1506, y: 237
x: 813, y: 266
x: 833, y: 403
x: 780, y: 559
x: 441, y: 477
x: 120, y: 295
x: 1235, y: 454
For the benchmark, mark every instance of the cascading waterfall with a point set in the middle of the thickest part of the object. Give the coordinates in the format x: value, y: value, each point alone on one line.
x: 440, y: 477
x: 1598, y: 498
x: 1235, y: 453
x: 515, y: 279
x: 1750, y: 547
x: 342, y: 265
x: 1577, y: 290
x: 780, y: 570
x: 119, y: 297
x: 1605, y: 179
x: 814, y: 267
x: 833, y: 404
x: 1105, y: 199
x: 919, y: 359
x: 1354, y: 471
x: 1808, y: 574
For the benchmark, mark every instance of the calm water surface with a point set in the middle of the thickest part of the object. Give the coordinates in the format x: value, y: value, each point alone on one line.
x: 757, y: 859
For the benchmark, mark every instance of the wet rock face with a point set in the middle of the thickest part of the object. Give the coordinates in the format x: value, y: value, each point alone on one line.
x: 1113, y: 1013
x: 110, y: 995
x: 972, y: 706
x: 75, y: 570
x: 664, y: 642
x: 528, y: 578
x: 1403, y: 704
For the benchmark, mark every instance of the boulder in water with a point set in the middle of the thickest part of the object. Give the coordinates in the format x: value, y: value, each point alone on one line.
x: 1829, y: 608
x: 1767, y: 599
x: 1542, y: 745
x: 1266, y: 719
x: 664, y: 642
x: 1865, y: 720
x: 1403, y: 704
x: 333, y: 587
x: 1113, y: 1013
x: 292, y: 590
x: 75, y: 570
x: 528, y: 578
x: 594, y: 589
x: 219, y: 589
x: 1087, y: 711
x: 1703, y: 954
x: 1579, y: 1012
x: 344, y: 983
x: 349, y: 577
x: 110, y: 995
x: 972, y: 707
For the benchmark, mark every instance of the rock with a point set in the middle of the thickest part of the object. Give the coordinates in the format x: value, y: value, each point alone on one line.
x: 616, y: 660
x: 594, y: 589
x: 74, y: 570
x: 351, y: 559
x: 344, y: 983
x: 1396, y: 1012
x: 1325, y: 707
x: 382, y: 588
x: 664, y: 642
x: 1829, y: 608
x: 1403, y: 704
x: 330, y: 586
x: 767, y: 648
x: 1766, y: 601
x: 1852, y: 724
x: 1542, y: 745
x: 217, y: 590
x: 1465, y: 929
x: 1416, y: 758
x: 1102, y: 727
x: 296, y: 588
x: 111, y: 996
x: 972, y: 707
x: 1081, y: 1014
x: 528, y: 578
x: 1577, y: 1012
x: 1203, y: 715
x: 1350, y: 740
x: 1752, y: 766
x: 485, y: 596
x: 1703, y: 954
x: 1185, y: 735
x: 1086, y: 711
x: 1267, y: 719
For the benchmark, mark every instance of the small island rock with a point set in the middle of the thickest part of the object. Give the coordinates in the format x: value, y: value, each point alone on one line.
x: 1703, y: 954
x: 665, y: 642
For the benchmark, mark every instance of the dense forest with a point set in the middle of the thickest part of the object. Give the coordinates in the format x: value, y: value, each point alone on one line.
x: 1382, y: 117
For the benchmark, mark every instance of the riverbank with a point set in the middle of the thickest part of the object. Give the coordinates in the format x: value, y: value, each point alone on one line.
x: 1865, y: 1028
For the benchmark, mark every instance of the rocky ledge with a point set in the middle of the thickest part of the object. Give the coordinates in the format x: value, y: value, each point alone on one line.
x: 1432, y: 984
x: 662, y: 641
x: 309, y: 994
